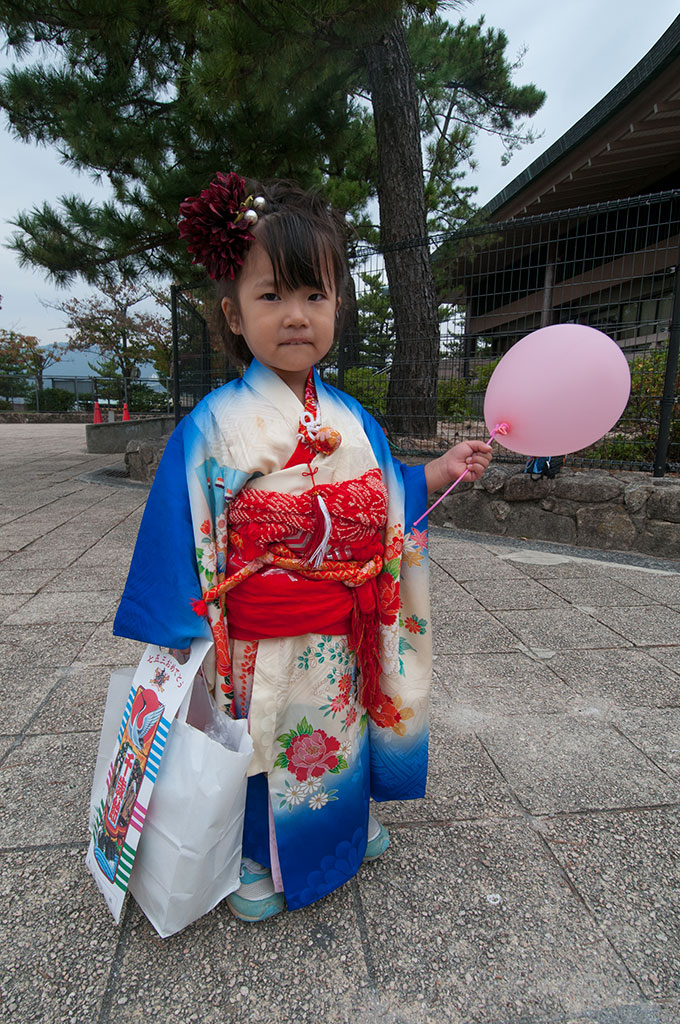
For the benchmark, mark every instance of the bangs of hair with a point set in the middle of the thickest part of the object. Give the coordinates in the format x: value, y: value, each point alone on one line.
x: 304, y: 253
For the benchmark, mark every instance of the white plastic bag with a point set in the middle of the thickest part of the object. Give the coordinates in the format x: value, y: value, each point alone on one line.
x: 189, y: 854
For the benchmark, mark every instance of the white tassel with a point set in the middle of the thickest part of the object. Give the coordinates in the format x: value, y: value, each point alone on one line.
x: 317, y: 556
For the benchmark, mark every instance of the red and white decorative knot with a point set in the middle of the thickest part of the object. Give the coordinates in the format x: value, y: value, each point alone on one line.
x: 322, y: 440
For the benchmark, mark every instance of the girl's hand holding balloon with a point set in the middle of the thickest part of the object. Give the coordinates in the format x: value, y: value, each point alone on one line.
x: 469, y: 457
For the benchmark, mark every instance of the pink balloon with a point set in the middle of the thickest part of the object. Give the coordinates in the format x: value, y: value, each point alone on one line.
x: 559, y: 389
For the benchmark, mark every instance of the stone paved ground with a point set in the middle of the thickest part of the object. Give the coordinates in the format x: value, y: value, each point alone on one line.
x: 538, y: 882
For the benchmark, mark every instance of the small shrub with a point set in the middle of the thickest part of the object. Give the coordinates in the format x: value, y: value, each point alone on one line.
x: 143, y: 399
x: 453, y: 399
x: 620, y: 448
x: 51, y: 400
x: 368, y: 387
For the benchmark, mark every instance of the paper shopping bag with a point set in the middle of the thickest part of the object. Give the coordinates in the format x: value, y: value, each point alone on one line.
x: 189, y: 855
x: 158, y: 687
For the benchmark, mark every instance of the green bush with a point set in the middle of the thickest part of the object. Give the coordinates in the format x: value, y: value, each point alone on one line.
x: 453, y: 399
x: 368, y: 387
x: 482, y: 375
x: 51, y: 400
x: 620, y: 448
x: 143, y: 399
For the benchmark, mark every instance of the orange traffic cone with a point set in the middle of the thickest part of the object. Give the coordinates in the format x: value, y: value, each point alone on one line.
x: 126, y: 411
x: 97, y: 413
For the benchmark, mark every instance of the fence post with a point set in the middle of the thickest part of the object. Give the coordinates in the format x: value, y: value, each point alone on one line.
x: 206, y: 382
x: 175, y: 352
x: 666, y: 409
x: 342, y: 361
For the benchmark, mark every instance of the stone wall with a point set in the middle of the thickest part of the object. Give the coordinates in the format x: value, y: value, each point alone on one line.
x: 6, y: 416
x: 142, y: 458
x: 115, y: 437
x: 588, y: 508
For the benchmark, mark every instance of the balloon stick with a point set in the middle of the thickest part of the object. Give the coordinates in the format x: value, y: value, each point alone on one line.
x: 500, y: 428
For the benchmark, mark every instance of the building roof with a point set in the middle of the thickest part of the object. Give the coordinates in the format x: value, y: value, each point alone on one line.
x: 627, y: 144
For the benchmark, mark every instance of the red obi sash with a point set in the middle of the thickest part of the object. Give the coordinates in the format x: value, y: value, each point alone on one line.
x: 307, y: 564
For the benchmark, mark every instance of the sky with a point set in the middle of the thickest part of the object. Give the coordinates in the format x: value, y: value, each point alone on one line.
x: 576, y: 51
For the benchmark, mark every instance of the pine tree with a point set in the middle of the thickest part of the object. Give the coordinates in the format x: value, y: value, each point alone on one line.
x: 156, y: 97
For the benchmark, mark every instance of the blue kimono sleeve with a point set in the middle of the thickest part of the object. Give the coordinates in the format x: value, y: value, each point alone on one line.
x: 163, y: 578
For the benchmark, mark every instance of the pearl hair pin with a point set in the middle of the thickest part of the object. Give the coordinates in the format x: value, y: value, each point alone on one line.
x: 249, y: 210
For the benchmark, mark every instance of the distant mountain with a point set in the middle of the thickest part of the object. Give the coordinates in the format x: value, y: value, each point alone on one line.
x: 76, y: 364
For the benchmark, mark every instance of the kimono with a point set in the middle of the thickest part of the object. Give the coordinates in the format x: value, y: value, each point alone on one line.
x: 319, y: 756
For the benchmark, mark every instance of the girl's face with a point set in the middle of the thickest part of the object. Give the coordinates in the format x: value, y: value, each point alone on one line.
x: 288, y: 331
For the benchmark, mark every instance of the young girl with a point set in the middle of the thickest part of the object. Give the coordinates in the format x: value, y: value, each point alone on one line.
x: 280, y: 525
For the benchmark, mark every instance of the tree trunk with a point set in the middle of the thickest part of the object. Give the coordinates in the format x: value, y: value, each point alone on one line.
x: 349, y: 342
x: 412, y: 393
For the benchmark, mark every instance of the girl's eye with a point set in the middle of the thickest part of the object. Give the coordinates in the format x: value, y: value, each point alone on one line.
x: 270, y: 296
x: 317, y: 297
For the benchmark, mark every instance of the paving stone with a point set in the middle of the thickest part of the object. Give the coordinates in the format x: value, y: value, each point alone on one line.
x: 29, y: 527
x: 497, y: 936
x: 626, y: 868
x: 304, y: 967
x: 661, y: 587
x: 657, y: 733
x: 515, y: 593
x: 559, y: 629
x: 86, y: 606
x: 42, y: 646
x: 103, y: 648
x: 77, y: 704
x: 22, y: 691
x: 56, y: 966
x: 46, y: 789
x: 599, y: 592
x: 106, y: 553
x: 625, y: 677
x: 10, y: 603
x: 44, y: 554
x: 6, y: 742
x: 27, y: 582
x: 462, y: 780
x: 94, y: 579
x: 669, y: 656
x: 570, y: 763
x: 481, y: 686
x: 477, y: 566
x: 566, y: 568
x: 447, y: 596
x: 470, y: 633
x: 642, y: 628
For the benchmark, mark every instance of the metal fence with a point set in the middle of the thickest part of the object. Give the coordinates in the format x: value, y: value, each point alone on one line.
x: 199, y: 364
x: 56, y: 393
x: 613, y: 266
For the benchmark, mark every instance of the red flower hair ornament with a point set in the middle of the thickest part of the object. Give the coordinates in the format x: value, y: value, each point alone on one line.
x: 216, y: 225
